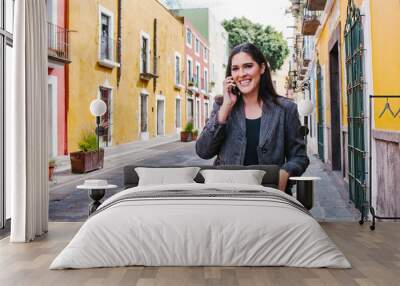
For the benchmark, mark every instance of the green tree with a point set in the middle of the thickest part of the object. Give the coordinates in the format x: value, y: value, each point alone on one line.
x: 271, y: 42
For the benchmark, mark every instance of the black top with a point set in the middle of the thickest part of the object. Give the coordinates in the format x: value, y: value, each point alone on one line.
x: 252, y: 135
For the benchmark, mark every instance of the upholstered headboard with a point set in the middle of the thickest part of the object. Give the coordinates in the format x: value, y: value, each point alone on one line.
x: 270, y: 179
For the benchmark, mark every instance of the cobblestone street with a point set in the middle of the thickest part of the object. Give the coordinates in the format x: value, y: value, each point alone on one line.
x: 69, y: 204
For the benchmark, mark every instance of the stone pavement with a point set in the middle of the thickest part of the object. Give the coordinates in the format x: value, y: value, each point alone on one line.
x: 331, y: 201
x: 113, y: 156
x: 68, y: 204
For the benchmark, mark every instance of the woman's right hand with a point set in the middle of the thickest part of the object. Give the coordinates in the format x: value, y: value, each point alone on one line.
x: 229, y: 100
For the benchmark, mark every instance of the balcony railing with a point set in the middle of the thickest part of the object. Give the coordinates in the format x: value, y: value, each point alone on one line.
x: 316, y: 5
x: 311, y: 21
x: 58, y: 43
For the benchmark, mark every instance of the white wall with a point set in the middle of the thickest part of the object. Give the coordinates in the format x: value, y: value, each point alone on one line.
x: 219, y: 49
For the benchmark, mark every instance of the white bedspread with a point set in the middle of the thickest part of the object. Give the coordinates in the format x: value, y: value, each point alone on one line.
x: 227, y: 231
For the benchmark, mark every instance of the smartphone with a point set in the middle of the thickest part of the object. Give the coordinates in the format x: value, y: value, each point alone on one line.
x: 235, y: 90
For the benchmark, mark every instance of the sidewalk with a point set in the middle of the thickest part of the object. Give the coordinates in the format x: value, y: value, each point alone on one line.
x: 331, y: 200
x: 64, y: 163
x: 112, y: 156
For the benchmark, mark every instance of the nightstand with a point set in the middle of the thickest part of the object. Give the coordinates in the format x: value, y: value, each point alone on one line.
x: 305, y: 190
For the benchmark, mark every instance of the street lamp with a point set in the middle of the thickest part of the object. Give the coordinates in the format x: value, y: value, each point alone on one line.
x: 98, y: 108
x: 305, y: 108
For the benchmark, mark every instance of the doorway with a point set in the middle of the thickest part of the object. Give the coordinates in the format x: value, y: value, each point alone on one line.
x: 335, y: 108
x: 189, y: 110
x: 160, y: 117
x: 52, y: 112
x: 106, y: 119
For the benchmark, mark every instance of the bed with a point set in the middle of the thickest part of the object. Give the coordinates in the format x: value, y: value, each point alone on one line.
x: 201, y: 224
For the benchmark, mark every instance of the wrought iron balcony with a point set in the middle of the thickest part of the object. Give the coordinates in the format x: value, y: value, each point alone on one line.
x: 311, y: 22
x: 295, y: 7
x: 316, y: 5
x: 58, y: 44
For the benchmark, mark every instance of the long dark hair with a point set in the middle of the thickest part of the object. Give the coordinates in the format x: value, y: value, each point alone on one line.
x: 266, y: 91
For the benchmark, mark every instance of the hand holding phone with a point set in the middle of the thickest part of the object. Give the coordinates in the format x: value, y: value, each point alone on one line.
x: 235, y: 90
x: 231, y: 93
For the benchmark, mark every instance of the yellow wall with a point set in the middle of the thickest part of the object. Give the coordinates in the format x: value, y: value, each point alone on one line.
x: 385, y: 57
x: 385, y: 33
x: 337, y: 16
x: 85, y: 75
x: 170, y: 35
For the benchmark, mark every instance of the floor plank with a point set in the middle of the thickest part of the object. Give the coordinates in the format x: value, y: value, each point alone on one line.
x: 374, y: 255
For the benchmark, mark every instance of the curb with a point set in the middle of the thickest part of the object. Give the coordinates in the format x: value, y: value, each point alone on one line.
x: 63, y: 162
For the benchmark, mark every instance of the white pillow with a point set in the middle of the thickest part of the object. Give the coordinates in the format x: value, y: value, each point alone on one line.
x: 164, y: 176
x: 249, y: 177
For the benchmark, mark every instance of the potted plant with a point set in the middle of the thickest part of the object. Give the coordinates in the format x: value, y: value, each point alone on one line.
x: 52, y: 166
x: 195, y: 132
x: 186, y: 134
x: 88, y: 158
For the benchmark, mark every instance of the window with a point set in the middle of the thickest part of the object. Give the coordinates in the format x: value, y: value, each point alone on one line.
x: 189, y: 37
x: 51, y: 6
x: 197, y: 46
x: 144, y: 53
x: 190, y: 70
x: 105, y: 37
x: 189, y: 110
x: 9, y: 10
x: 206, y: 80
x: 197, y: 76
x: 205, y: 54
x: 178, y: 113
x: 177, y: 69
x: 6, y: 66
x: 197, y: 115
x: 105, y: 34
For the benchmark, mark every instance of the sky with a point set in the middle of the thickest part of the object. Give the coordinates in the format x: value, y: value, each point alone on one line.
x: 267, y: 12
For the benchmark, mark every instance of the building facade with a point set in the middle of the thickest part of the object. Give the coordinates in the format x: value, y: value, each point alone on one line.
x: 211, y: 30
x: 134, y: 64
x: 351, y: 76
x: 58, y: 60
x: 197, y: 76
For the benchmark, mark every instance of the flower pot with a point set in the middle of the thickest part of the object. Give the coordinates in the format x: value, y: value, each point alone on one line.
x: 51, y: 172
x: 186, y: 136
x: 83, y: 162
x: 194, y: 137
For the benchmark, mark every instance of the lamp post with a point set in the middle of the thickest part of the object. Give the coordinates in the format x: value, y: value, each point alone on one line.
x: 305, y: 108
x: 97, y: 108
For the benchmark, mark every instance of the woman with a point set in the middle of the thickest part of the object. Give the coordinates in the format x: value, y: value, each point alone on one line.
x: 251, y: 124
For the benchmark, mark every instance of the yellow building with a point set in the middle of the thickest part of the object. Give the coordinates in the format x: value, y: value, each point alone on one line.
x: 355, y: 46
x: 138, y: 76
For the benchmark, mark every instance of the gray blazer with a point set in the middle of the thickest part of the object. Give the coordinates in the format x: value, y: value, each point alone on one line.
x: 280, y: 141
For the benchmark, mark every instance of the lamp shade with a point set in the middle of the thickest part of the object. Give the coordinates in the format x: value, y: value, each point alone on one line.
x: 305, y: 107
x: 98, y: 107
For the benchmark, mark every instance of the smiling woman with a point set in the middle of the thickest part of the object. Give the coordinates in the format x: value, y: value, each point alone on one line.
x: 252, y: 124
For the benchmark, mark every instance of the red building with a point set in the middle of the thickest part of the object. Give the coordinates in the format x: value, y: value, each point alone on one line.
x: 59, y: 58
x: 197, y: 76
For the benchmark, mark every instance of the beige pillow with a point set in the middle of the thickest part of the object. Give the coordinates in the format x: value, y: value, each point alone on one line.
x: 249, y: 177
x: 163, y: 176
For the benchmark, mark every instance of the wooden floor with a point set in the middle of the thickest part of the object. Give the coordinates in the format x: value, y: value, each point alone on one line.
x: 375, y: 256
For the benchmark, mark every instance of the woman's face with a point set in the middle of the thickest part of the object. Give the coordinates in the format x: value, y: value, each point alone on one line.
x: 246, y: 72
